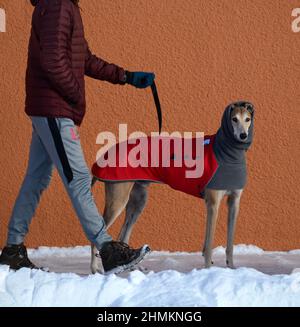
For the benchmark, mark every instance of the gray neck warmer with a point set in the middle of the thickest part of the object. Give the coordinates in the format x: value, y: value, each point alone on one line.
x: 230, y: 153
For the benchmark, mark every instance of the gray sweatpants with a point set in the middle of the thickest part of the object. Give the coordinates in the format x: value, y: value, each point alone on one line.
x: 55, y: 142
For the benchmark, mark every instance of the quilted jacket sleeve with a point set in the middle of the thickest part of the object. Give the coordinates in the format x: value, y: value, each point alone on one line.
x: 99, y: 69
x: 55, y: 32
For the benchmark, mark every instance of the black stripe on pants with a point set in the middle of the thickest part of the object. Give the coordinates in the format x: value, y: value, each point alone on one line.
x: 60, y: 149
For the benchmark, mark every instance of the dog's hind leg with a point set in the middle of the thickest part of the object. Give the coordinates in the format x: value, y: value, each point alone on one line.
x: 136, y: 204
x: 212, y: 200
x: 116, y: 198
x: 96, y: 265
x: 95, y: 262
x: 233, y: 210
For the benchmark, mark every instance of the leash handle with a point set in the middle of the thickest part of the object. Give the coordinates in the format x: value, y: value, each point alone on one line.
x: 157, y: 105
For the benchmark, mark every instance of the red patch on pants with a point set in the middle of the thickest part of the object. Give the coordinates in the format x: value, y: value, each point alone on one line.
x: 74, y: 134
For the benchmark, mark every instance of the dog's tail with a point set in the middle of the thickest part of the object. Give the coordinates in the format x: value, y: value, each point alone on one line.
x: 94, y: 180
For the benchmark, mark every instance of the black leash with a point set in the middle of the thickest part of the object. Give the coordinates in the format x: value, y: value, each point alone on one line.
x: 157, y: 104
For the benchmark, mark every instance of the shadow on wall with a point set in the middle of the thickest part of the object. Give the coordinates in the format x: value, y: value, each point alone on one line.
x: 2, y: 20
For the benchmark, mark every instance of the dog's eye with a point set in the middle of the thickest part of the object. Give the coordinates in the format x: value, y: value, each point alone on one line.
x: 235, y: 120
x: 247, y: 120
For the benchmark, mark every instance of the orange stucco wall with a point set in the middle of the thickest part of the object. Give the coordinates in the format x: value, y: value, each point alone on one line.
x: 205, y: 54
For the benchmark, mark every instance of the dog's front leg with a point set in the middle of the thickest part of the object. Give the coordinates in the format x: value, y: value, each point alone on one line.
x: 212, y: 199
x: 233, y: 210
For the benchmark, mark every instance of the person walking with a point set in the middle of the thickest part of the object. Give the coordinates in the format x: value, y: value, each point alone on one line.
x: 58, y: 59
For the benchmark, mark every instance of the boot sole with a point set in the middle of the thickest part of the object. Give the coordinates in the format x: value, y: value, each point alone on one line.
x: 145, y: 250
x: 45, y: 269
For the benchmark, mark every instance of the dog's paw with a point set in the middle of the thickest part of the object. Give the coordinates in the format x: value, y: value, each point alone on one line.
x: 97, y: 268
x: 142, y: 269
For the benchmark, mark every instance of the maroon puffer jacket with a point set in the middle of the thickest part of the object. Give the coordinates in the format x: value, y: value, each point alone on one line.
x: 58, y: 59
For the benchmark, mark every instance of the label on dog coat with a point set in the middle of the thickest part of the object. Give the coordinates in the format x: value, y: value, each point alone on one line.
x: 150, y: 161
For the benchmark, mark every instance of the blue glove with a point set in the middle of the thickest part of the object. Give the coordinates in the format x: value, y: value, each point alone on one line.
x: 140, y: 80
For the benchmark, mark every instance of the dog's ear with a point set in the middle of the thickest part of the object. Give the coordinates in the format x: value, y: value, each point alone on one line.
x: 231, y: 107
x: 249, y: 107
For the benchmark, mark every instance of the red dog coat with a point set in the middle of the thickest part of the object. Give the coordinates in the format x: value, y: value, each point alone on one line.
x: 173, y: 176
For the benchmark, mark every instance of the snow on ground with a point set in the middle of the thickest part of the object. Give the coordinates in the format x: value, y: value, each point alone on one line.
x: 164, y: 279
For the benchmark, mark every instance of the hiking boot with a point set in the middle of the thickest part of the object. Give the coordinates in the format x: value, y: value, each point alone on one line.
x: 118, y: 256
x: 15, y: 256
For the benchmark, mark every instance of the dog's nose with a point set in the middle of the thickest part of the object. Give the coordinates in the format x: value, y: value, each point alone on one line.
x: 243, y: 136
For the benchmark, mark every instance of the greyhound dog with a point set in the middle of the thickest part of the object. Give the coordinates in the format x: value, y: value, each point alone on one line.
x: 229, y: 146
